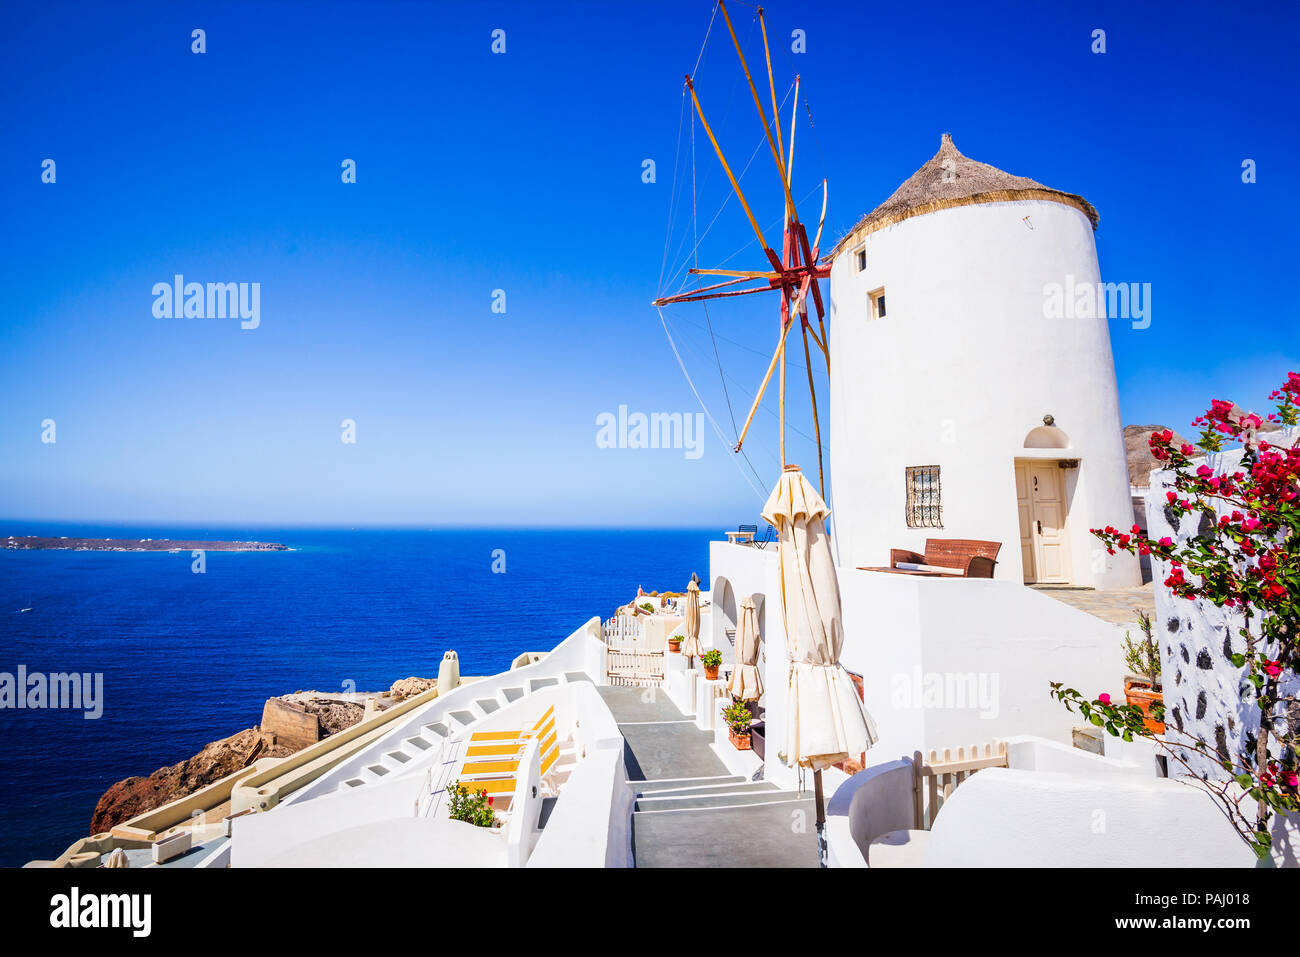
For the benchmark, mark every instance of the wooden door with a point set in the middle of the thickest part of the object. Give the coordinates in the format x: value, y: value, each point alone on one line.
x: 1024, y: 509
x: 1048, y: 513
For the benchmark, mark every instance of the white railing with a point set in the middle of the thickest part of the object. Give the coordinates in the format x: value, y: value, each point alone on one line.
x: 431, y: 794
x: 622, y: 630
x: 436, y: 779
x: 525, y: 806
x: 936, y: 777
x: 426, y: 790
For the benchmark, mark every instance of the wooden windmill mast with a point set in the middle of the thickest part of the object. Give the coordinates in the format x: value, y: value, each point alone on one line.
x: 796, y: 272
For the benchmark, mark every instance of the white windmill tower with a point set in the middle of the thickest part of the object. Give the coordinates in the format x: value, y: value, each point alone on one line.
x: 959, y: 408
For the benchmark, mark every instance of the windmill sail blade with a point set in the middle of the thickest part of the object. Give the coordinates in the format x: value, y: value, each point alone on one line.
x: 771, y: 84
x: 776, y: 356
x: 812, y: 392
x: 762, y: 114
x: 731, y: 176
x: 744, y: 273
x: 700, y: 295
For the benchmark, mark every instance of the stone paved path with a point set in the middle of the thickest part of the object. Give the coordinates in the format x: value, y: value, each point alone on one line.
x: 1115, y: 605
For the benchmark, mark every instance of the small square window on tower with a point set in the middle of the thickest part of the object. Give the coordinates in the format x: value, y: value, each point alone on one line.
x: 877, y: 303
x: 860, y: 257
x: 924, y: 506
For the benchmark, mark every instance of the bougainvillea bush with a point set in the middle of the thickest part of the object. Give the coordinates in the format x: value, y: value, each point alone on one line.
x: 1245, y: 557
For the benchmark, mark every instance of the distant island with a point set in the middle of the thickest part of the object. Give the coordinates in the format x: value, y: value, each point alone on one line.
x: 45, y: 543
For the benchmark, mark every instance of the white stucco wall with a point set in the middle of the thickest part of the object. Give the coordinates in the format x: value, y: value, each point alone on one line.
x: 991, y: 647
x: 951, y: 663
x: 1009, y: 818
x: 963, y: 366
x: 1200, y: 681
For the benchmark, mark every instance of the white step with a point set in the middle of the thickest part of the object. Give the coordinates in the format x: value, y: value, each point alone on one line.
x: 417, y: 746
x: 436, y: 731
x: 396, y: 760
x: 462, y: 717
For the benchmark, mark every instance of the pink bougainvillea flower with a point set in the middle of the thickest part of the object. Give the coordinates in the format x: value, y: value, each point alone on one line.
x: 1104, y: 698
x: 1272, y: 668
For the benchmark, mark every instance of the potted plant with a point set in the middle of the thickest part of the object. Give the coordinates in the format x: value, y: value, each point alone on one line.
x: 1142, y: 689
x: 472, y: 807
x: 711, y: 659
x: 648, y: 608
x: 675, y: 644
x: 739, y: 718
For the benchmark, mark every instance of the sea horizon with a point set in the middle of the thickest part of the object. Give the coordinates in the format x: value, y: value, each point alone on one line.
x: 82, y: 524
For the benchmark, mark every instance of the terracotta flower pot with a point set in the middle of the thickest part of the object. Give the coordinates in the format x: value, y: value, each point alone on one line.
x: 743, y: 742
x: 1140, y: 695
x: 711, y: 672
x: 675, y: 647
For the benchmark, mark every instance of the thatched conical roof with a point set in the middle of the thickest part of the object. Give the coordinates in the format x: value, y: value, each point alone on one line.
x: 950, y: 179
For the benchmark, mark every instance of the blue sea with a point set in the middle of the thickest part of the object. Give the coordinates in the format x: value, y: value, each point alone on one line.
x: 189, y: 658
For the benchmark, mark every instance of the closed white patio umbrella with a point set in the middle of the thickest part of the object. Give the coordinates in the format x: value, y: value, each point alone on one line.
x: 691, y: 627
x: 746, y: 682
x: 825, y: 720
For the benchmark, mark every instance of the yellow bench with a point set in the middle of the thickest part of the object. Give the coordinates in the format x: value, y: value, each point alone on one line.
x: 498, y: 753
x: 550, y: 751
x: 491, y: 786
x: 489, y: 767
x: 483, y: 736
x: 492, y: 750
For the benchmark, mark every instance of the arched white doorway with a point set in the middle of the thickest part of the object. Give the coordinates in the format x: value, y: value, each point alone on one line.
x: 723, y: 617
x: 1043, y: 505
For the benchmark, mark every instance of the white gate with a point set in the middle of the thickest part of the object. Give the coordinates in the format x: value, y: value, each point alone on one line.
x: 629, y: 660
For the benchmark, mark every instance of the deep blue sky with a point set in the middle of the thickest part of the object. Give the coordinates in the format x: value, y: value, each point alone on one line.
x: 523, y: 172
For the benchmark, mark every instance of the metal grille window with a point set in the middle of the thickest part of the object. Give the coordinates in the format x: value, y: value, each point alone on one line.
x: 924, y: 507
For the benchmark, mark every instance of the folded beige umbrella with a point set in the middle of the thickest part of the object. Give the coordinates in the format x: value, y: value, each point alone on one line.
x: 691, y: 628
x: 746, y: 682
x: 825, y: 720
x: 117, y: 859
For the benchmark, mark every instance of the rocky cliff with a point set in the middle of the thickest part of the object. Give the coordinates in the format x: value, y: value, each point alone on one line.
x: 132, y: 796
